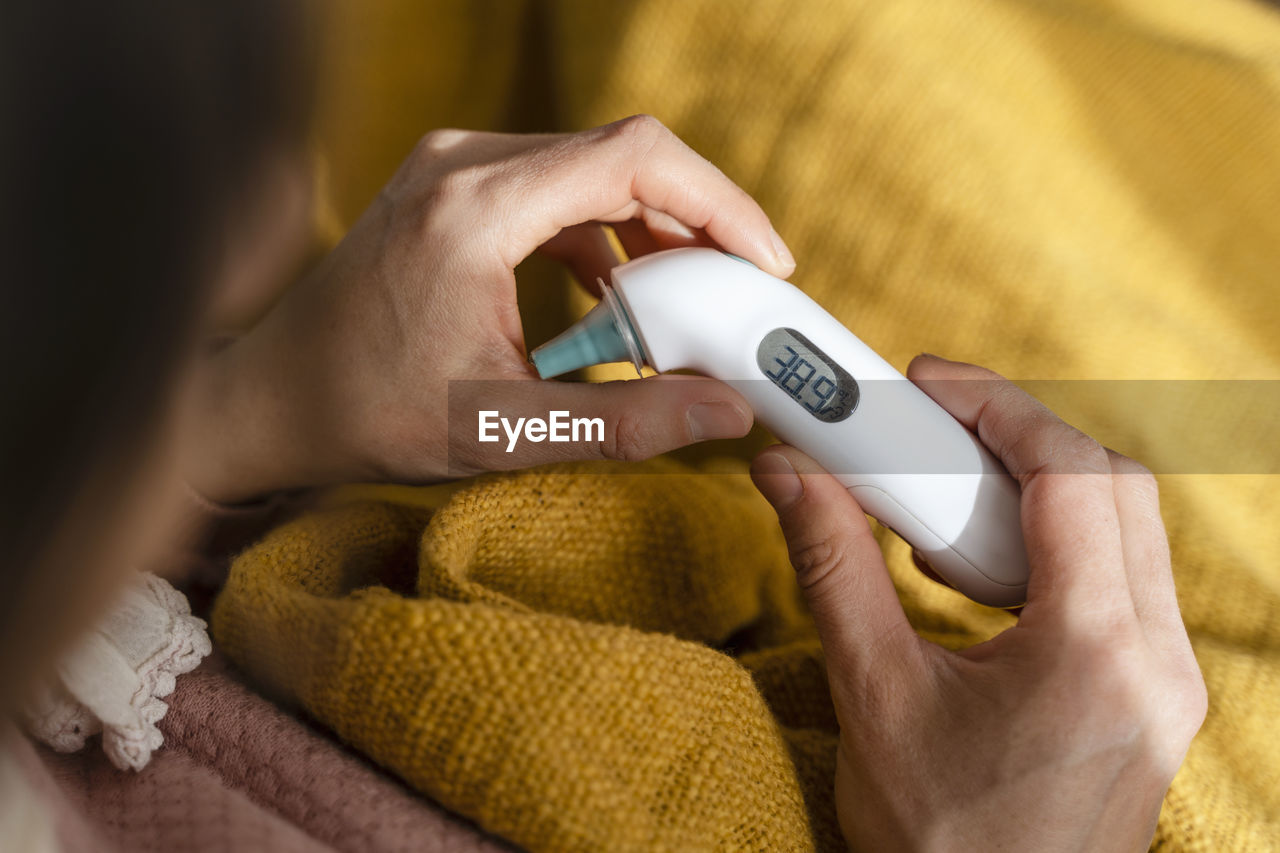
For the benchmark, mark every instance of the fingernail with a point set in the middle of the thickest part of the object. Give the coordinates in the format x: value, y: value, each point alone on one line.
x: 715, y: 420
x: 780, y: 249
x: 777, y: 480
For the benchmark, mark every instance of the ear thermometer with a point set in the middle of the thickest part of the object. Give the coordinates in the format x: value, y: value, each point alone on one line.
x: 817, y: 387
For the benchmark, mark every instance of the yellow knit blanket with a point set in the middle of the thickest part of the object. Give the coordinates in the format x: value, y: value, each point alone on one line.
x: 576, y: 657
x: 1059, y: 189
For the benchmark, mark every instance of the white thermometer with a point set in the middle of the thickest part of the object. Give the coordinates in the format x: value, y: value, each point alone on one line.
x: 818, y: 388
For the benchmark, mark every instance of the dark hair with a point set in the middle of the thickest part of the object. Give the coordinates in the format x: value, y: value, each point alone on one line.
x: 127, y: 130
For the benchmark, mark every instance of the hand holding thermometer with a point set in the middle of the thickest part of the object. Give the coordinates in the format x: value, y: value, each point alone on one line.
x: 818, y: 388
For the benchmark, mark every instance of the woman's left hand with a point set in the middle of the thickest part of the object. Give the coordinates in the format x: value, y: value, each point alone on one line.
x: 346, y: 379
x: 1063, y: 732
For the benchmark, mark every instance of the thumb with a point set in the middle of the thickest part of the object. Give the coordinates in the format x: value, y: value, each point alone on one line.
x: 624, y: 420
x: 838, y: 563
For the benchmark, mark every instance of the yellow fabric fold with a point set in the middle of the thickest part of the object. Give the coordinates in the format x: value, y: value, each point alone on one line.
x: 565, y: 655
x: 1058, y: 189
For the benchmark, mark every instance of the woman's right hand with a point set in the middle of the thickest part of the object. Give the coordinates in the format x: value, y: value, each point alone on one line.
x: 1063, y: 732
x: 348, y: 377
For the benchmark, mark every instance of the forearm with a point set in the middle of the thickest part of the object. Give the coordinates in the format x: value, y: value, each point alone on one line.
x: 255, y: 429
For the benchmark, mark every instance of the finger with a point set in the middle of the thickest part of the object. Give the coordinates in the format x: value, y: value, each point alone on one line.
x: 654, y: 231
x: 1069, y: 519
x: 1146, y: 552
x: 612, y: 173
x: 585, y: 249
x: 626, y: 420
x: 636, y: 238
x: 838, y: 565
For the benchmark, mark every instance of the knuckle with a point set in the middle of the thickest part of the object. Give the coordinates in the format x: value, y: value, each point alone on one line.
x: 996, y: 385
x: 1191, y: 699
x: 1001, y: 419
x: 1198, y: 707
x: 1148, y: 488
x: 1019, y: 441
x: 1080, y: 453
x: 814, y: 559
x: 1128, y: 698
x: 1178, y: 714
x: 1195, y: 706
x: 1051, y: 447
x: 435, y: 143
x: 1121, y: 464
x: 1137, y: 476
x: 1133, y: 466
x: 628, y: 441
x: 454, y: 196
x: 641, y: 128
x: 1157, y: 716
x: 1145, y: 482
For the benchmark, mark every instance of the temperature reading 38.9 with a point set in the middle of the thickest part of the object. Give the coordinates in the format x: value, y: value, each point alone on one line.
x: 814, y: 381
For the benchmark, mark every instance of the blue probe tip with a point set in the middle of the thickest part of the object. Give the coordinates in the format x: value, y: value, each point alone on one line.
x: 595, y: 339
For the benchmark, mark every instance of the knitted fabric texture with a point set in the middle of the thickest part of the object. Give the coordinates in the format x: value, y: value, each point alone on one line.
x: 236, y: 773
x: 1060, y: 189
x: 548, y: 655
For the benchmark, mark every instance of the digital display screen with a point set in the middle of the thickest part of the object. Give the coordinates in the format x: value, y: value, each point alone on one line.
x: 818, y: 385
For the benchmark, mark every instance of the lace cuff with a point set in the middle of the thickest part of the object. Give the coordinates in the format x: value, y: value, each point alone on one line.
x: 114, y: 679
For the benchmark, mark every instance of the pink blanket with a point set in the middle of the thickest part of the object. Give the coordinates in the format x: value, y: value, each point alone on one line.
x: 238, y: 773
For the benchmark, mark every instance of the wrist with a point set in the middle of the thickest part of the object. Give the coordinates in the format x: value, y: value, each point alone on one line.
x: 245, y: 420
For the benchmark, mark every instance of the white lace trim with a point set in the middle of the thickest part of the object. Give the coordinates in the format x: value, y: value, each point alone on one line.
x: 114, y: 679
